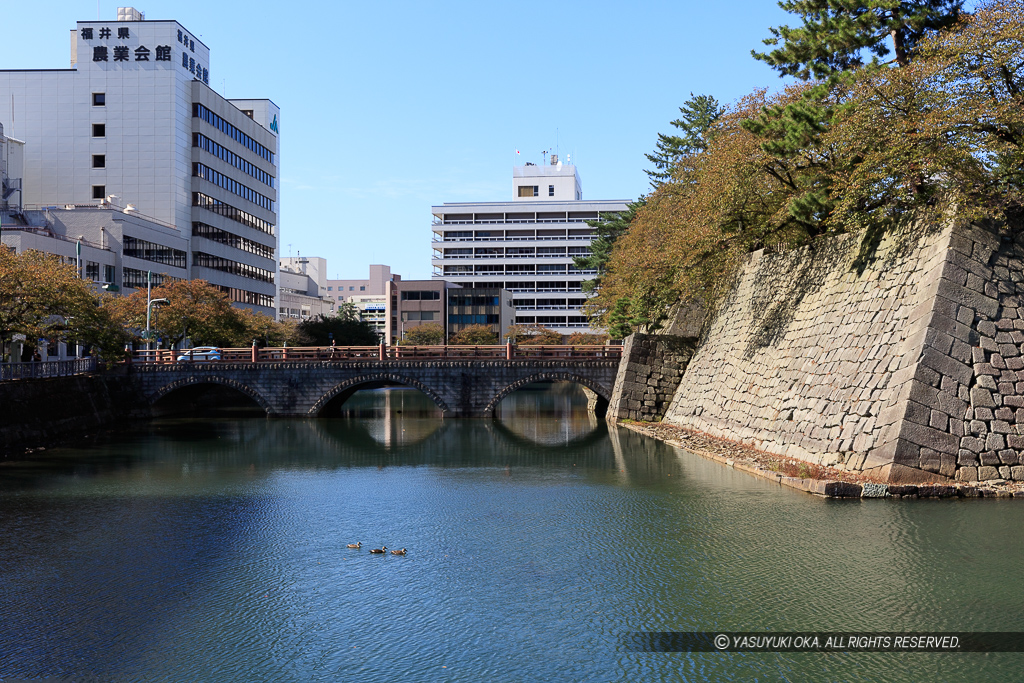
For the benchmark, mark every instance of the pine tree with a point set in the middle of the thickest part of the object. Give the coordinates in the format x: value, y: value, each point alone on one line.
x: 829, y: 47
x: 698, y: 114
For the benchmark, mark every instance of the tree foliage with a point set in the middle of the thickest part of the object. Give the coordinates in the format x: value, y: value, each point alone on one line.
x: 533, y: 335
x: 195, y: 310
x: 427, y: 334
x: 835, y: 35
x: 939, y: 138
x: 607, y: 229
x: 828, y: 52
x: 321, y: 330
x: 43, y: 298
x: 698, y: 114
x: 586, y: 339
x: 474, y: 335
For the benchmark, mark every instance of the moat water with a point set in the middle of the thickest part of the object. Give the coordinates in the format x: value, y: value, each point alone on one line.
x: 215, y: 550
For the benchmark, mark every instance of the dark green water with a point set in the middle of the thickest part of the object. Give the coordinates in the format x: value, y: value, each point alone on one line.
x: 214, y: 550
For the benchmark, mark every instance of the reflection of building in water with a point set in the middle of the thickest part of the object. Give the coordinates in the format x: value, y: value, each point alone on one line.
x: 394, y: 416
x: 548, y: 413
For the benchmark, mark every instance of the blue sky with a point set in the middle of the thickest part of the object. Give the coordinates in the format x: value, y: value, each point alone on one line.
x: 390, y: 108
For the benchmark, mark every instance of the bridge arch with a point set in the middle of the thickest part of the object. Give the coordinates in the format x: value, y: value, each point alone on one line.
x: 354, y: 383
x: 192, y: 380
x: 599, y: 389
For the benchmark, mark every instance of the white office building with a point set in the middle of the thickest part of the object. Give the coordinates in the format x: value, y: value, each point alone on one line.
x: 526, y: 245
x: 134, y: 124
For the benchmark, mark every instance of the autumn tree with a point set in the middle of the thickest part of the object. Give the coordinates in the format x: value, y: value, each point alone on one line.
x: 255, y: 325
x: 427, y: 334
x: 345, y: 330
x: 827, y: 51
x: 533, y: 335
x: 43, y: 298
x: 686, y: 241
x: 607, y: 229
x: 195, y: 310
x: 474, y: 335
x: 586, y: 339
x: 943, y: 137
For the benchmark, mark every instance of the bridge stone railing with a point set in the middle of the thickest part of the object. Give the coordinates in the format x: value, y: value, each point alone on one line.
x: 45, y: 369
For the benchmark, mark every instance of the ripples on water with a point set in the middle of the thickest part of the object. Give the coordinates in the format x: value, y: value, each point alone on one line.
x: 215, y: 550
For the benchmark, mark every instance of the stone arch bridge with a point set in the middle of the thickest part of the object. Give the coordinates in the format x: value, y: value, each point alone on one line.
x: 460, y: 388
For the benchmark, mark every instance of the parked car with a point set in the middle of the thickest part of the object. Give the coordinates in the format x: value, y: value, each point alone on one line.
x: 201, y: 353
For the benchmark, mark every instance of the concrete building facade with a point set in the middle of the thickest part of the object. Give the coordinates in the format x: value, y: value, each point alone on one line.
x: 526, y: 245
x: 133, y: 124
x: 301, y: 288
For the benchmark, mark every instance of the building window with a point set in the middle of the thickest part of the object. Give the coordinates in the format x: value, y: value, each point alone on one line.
x: 99, y: 130
x: 551, y: 190
x: 150, y: 251
x: 362, y: 288
x: 421, y: 295
x: 232, y: 240
x: 528, y: 190
x: 216, y: 206
x: 330, y: 289
x: 92, y: 271
x: 99, y: 191
x: 248, y: 112
x: 231, y: 185
x: 99, y: 160
x: 99, y: 99
x: 108, y: 273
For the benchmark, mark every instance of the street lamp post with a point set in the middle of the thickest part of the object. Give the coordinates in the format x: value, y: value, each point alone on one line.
x: 149, y: 315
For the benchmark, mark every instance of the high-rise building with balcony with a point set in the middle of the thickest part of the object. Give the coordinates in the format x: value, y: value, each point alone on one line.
x: 133, y: 124
x: 526, y: 245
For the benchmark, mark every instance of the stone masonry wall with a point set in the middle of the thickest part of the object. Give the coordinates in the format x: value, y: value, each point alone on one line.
x: 990, y: 383
x: 815, y: 353
x: 650, y: 370
x: 903, y: 360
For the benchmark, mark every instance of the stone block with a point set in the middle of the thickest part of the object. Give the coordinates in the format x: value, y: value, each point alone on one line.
x: 1017, y: 473
x: 985, y: 305
x: 947, y: 465
x: 987, y: 382
x: 947, y: 366
x: 982, y: 397
x: 930, y: 461
x: 986, y: 473
x: 974, y: 444
x: 966, y: 458
x: 927, y: 437
x: 995, y: 442
x: 936, y: 491
x: 1008, y: 456
x: 1001, y: 427
x: 905, y: 490
x: 984, y: 414
x: 1004, y: 472
x: 967, y: 474
x: 989, y: 458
